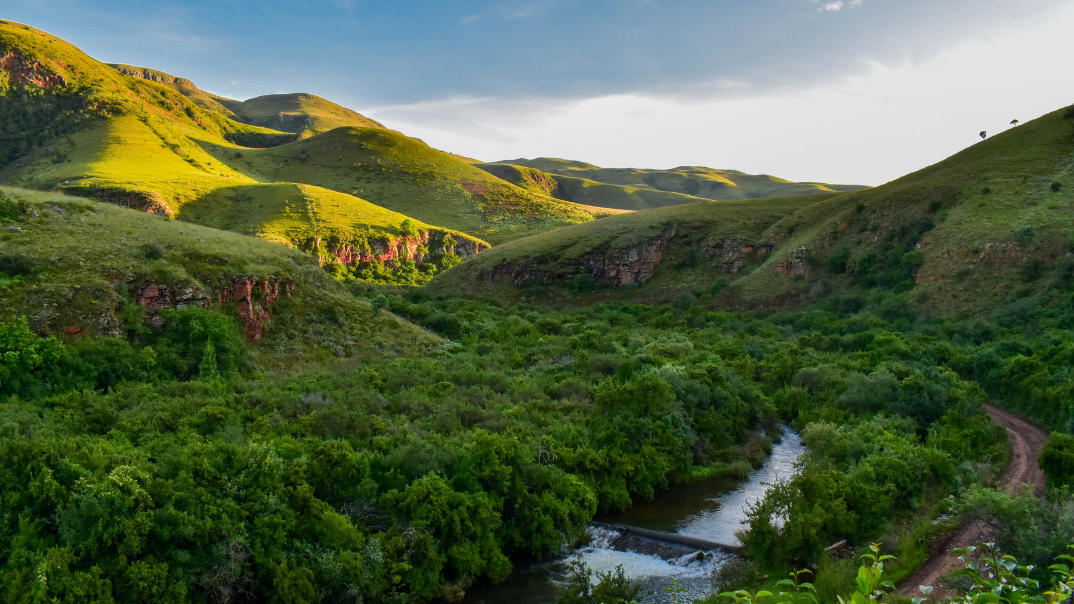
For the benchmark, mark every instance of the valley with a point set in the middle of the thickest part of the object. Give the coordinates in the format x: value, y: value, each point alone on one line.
x: 273, y: 350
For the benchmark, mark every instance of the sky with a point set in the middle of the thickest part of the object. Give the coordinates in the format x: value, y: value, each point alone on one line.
x: 847, y: 91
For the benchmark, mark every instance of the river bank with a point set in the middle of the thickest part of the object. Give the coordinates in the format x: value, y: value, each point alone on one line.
x: 709, y: 510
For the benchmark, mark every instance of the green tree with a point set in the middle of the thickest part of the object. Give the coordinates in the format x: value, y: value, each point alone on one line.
x: 27, y: 362
x: 407, y: 228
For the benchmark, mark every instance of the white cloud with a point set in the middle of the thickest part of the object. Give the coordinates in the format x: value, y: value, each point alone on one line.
x: 836, y: 5
x: 866, y: 130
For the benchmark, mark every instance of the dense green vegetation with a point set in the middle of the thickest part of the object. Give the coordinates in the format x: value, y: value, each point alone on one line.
x: 406, y: 479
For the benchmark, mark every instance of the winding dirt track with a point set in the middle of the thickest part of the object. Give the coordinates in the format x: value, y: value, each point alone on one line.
x: 1026, y: 440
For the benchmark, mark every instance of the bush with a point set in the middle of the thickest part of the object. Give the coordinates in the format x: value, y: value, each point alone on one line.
x: 192, y: 334
x: 28, y: 363
x: 1057, y: 460
x: 611, y: 587
x: 837, y: 262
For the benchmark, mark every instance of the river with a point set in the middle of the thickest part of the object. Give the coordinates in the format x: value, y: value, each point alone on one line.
x: 710, y: 509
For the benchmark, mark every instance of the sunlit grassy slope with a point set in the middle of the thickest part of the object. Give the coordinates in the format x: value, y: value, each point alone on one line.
x: 183, y: 86
x: 73, y: 266
x: 290, y: 213
x: 408, y: 176
x: 635, y: 189
x: 297, y: 112
x: 993, y: 221
x: 683, y: 266
x: 156, y: 142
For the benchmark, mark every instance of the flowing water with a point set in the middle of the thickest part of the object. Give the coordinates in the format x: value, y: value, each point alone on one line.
x: 712, y: 509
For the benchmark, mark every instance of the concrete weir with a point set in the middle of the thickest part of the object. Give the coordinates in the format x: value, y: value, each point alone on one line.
x: 693, y: 542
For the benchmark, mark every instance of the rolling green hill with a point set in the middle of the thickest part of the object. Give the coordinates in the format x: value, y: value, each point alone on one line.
x: 148, y: 140
x: 634, y: 189
x: 406, y: 175
x: 76, y: 267
x: 297, y: 113
x: 982, y: 229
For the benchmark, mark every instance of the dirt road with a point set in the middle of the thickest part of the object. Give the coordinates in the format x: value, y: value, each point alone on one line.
x: 1026, y: 440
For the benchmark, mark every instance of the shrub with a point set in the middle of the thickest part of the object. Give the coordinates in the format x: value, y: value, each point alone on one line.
x: 837, y: 262
x: 27, y: 363
x: 610, y: 588
x: 1057, y: 460
x: 407, y: 228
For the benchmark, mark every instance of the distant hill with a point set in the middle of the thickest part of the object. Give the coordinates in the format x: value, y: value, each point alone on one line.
x: 406, y: 175
x: 636, y: 189
x: 978, y: 231
x: 298, y: 113
x: 145, y: 139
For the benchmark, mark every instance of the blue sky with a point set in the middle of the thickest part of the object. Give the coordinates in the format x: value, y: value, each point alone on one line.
x: 467, y: 73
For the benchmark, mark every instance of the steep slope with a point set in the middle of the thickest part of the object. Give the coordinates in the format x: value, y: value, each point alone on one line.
x: 149, y: 140
x: 157, y: 143
x: 183, y: 86
x: 634, y: 189
x: 980, y: 230
x: 296, y: 113
x: 76, y: 267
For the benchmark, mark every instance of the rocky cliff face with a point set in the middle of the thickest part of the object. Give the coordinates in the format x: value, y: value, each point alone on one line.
x: 734, y: 253
x: 628, y: 265
x: 253, y: 297
x: 795, y: 263
x: 152, y: 75
x: 389, y: 252
x: 20, y: 69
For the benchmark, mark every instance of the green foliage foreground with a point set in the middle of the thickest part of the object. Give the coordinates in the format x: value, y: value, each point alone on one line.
x: 407, y: 480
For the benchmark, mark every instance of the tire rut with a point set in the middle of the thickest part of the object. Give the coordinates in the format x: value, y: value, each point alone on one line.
x: 1026, y: 440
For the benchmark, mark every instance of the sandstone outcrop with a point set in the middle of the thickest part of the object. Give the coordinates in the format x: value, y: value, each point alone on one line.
x: 154, y: 298
x: 734, y: 253
x: 25, y: 71
x: 414, y: 249
x: 254, y: 297
x: 628, y: 265
x: 794, y: 264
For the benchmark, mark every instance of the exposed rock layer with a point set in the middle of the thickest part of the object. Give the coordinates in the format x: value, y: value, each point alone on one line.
x: 627, y: 265
x: 254, y: 298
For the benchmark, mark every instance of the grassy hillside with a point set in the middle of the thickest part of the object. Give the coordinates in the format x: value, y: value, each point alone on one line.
x: 157, y: 143
x: 183, y: 86
x: 989, y: 227
x: 645, y: 256
x: 80, y: 268
x: 634, y: 189
x: 298, y: 113
x: 406, y: 175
